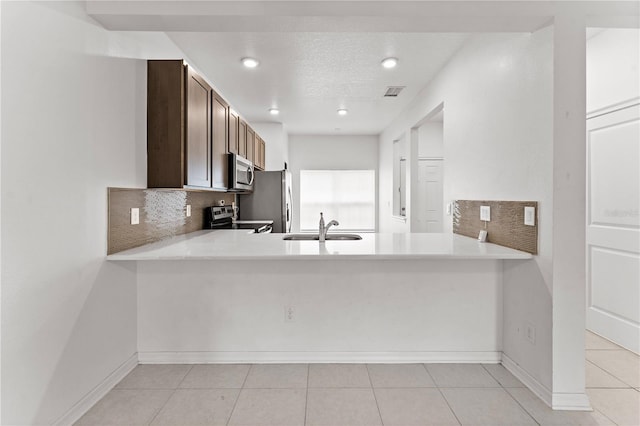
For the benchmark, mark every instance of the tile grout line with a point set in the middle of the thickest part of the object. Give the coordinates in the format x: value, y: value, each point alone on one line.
x: 492, y: 376
x: 171, y: 396
x: 373, y: 391
x: 610, y: 373
x: 239, y: 392
x: 521, y: 406
x: 441, y: 394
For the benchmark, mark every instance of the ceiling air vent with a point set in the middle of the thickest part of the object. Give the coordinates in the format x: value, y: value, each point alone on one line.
x: 393, y: 91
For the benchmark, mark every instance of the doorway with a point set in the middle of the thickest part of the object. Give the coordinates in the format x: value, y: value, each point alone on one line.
x: 613, y: 185
x: 428, y: 208
x: 613, y: 224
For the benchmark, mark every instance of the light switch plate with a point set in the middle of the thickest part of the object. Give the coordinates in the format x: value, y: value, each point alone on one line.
x: 135, y: 216
x: 188, y: 210
x: 530, y: 216
x: 485, y: 213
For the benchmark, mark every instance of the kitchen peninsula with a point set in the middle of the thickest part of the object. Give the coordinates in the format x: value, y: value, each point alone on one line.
x: 229, y: 296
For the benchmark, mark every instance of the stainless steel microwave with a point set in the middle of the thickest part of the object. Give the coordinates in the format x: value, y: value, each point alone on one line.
x: 240, y: 174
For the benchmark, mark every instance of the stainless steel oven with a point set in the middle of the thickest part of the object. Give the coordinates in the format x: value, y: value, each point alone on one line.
x: 240, y: 174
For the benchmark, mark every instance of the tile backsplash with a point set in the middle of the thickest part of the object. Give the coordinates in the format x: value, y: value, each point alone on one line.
x: 506, y: 226
x: 162, y: 214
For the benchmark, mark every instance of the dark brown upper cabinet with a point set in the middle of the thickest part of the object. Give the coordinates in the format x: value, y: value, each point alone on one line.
x: 219, y: 163
x: 259, y: 152
x: 166, y: 124
x: 186, y: 129
x: 242, y: 139
x: 233, y: 141
x: 251, y: 142
x: 198, y: 153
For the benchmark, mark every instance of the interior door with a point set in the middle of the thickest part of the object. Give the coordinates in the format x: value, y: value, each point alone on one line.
x: 613, y: 226
x: 430, y: 205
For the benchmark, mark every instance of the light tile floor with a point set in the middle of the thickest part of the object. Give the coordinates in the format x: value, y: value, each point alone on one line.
x: 368, y: 395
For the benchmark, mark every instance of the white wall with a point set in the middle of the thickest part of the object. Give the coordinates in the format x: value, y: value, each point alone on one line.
x: 613, y: 59
x: 318, y: 152
x: 73, y: 114
x: 276, y: 143
x: 430, y: 140
x: 497, y: 94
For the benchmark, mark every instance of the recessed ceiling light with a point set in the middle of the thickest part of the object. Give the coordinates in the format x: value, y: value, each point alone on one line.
x: 343, y: 111
x: 274, y: 111
x: 390, y: 62
x: 250, y: 62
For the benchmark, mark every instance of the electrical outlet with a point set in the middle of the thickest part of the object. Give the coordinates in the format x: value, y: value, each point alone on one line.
x: 135, y: 216
x: 485, y: 213
x: 449, y: 208
x: 530, y: 216
x: 530, y: 333
x: 188, y: 210
x: 289, y: 313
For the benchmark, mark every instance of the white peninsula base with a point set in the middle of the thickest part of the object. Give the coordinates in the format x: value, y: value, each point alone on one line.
x: 320, y: 311
x: 230, y: 297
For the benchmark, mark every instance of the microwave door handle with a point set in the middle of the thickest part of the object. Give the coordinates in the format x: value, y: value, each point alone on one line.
x: 250, y: 175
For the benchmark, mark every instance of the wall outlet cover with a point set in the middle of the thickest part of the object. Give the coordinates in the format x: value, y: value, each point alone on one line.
x: 530, y: 216
x: 485, y: 213
x: 135, y: 216
x: 188, y: 210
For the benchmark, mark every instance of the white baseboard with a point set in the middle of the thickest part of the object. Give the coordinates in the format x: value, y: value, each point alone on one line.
x: 534, y: 386
x: 557, y: 401
x: 97, y: 393
x: 316, y: 357
x: 571, y: 402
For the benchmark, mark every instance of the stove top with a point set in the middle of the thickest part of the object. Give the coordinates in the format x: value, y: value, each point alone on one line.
x: 221, y: 217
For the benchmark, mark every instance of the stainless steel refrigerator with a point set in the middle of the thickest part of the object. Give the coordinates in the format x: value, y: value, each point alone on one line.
x: 270, y: 200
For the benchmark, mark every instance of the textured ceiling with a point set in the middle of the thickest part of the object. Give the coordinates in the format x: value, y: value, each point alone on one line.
x: 308, y: 76
x: 317, y: 56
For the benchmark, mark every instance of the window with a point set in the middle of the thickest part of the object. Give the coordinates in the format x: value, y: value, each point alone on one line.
x: 348, y: 196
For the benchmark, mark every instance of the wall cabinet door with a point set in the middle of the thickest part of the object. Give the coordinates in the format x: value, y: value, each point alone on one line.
x: 233, y: 142
x: 256, y: 151
x: 251, y: 141
x: 263, y: 154
x: 259, y: 151
x: 242, y: 139
x: 219, y: 143
x: 165, y: 123
x: 198, y: 147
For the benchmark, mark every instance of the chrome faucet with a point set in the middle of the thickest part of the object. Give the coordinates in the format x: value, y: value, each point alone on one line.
x: 322, y: 230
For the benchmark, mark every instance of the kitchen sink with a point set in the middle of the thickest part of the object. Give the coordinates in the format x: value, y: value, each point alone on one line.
x: 329, y: 237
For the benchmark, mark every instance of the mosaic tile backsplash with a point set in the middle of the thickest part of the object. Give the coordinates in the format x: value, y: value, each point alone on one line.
x: 506, y: 226
x: 162, y: 214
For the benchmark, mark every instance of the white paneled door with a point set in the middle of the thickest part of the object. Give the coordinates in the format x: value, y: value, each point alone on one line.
x: 430, y: 206
x: 613, y: 226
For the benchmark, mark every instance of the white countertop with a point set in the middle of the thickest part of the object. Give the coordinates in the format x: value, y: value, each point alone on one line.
x: 240, y: 245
